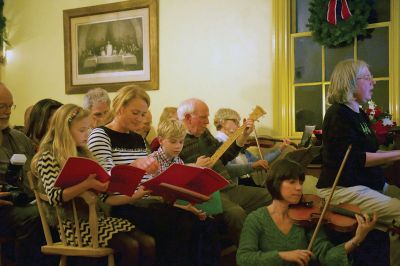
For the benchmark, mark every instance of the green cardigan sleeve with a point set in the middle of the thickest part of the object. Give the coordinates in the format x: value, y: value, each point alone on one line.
x: 248, y: 252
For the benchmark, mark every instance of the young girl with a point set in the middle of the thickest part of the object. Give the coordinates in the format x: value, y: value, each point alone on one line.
x: 66, y: 137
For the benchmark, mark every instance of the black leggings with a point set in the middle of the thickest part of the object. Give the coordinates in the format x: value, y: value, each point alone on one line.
x: 134, y: 248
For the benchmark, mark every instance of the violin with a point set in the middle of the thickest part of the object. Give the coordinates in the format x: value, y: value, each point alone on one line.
x: 265, y: 141
x: 341, y: 217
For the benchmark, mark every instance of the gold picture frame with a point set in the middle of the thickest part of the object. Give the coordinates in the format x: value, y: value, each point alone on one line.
x: 111, y: 45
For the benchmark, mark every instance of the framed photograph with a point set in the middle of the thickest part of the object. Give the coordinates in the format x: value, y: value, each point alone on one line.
x: 111, y: 45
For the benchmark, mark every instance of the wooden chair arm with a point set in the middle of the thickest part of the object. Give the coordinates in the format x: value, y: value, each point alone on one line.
x: 91, y: 199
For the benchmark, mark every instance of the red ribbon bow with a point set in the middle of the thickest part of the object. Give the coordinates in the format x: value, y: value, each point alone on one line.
x: 344, y: 12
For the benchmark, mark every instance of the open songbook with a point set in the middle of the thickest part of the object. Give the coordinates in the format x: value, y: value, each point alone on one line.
x: 123, y: 178
x: 190, y: 183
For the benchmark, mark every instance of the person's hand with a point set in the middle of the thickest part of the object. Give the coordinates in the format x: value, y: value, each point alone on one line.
x: 249, y: 127
x: 5, y: 202
x: 365, y: 224
x: 204, y: 161
x: 260, y: 164
x: 285, y: 143
x: 149, y: 164
x: 299, y: 256
x: 199, y: 213
x: 92, y: 183
x: 140, y: 192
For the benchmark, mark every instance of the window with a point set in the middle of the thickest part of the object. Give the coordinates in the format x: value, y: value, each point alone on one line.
x: 309, y: 65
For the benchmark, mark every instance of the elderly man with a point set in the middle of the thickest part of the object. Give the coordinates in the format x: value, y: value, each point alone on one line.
x: 98, y: 103
x: 18, y: 218
x: 145, y: 129
x: 200, y: 145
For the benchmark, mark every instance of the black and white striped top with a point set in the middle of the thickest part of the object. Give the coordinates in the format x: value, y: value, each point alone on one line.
x: 114, y: 148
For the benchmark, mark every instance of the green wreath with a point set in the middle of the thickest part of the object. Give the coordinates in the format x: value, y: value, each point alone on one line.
x: 344, y: 31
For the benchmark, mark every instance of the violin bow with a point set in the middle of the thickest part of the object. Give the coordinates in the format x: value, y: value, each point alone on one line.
x: 258, y: 144
x: 329, y: 199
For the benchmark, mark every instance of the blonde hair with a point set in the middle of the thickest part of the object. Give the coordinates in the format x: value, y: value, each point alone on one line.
x: 168, y: 113
x: 344, y: 80
x: 171, y: 128
x: 58, y: 138
x: 127, y: 93
x: 225, y: 114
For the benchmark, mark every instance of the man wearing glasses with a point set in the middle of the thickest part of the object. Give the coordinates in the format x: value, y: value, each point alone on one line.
x: 19, y: 218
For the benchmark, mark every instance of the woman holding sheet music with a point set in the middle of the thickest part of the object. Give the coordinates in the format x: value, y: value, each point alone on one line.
x: 67, y: 137
x: 175, y: 230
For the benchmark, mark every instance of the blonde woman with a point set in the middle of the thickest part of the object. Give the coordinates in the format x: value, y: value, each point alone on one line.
x: 362, y: 181
x: 117, y: 143
x: 66, y: 137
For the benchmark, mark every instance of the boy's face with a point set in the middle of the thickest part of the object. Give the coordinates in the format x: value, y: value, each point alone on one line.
x: 172, y: 146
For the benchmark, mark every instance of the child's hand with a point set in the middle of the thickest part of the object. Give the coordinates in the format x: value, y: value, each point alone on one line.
x: 203, y: 161
x: 140, y: 193
x: 93, y: 183
x: 149, y: 164
x: 199, y: 213
x: 260, y: 164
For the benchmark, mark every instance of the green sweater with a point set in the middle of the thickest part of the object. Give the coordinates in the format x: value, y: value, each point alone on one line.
x: 261, y: 240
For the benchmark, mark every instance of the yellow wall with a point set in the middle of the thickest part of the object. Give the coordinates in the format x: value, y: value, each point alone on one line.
x: 216, y: 50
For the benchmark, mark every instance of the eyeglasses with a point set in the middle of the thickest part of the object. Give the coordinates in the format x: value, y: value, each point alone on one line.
x: 367, y: 77
x: 4, y: 107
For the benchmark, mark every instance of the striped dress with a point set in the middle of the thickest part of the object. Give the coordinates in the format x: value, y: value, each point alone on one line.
x: 48, y: 169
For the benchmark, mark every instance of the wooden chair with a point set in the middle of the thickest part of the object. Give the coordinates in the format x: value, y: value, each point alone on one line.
x: 62, y: 248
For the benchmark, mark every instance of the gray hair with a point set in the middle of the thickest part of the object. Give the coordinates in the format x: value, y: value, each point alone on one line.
x: 95, y: 95
x: 344, y: 80
x: 186, y: 107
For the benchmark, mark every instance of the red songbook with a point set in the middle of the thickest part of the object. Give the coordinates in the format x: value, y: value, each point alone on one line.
x: 124, y: 178
x: 190, y: 183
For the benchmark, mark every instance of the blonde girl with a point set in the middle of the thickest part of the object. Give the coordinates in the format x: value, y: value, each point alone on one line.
x: 66, y: 137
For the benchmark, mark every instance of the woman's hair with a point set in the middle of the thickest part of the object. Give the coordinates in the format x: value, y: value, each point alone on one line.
x: 168, y: 113
x: 58, y: 138
x: 126, y: 94
x: 344, y: 80
x: 96, y: 95
x: 280, y: 171
x: 225, y: 114
x: 171, y: 128
x: 39, y: 118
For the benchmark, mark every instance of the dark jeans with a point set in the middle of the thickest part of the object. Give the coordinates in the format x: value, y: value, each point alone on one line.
x: 181, y: 238
x: 373, y: 251
x: 24, y: 224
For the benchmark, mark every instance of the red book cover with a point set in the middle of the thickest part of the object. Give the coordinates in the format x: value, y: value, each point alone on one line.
x: 124, y: 178
x: 197, y: 183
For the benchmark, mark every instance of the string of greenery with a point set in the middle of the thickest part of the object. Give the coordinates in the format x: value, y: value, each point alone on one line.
x: 344, y: 32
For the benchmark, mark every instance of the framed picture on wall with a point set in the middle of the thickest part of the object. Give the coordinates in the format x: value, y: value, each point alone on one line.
x: 111, y: 45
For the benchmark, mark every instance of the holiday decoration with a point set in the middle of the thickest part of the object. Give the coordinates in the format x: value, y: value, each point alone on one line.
x: 336, y: 23
x: 381, y: 122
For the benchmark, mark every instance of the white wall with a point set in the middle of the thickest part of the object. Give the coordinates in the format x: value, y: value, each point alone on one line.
x: 217, y: 50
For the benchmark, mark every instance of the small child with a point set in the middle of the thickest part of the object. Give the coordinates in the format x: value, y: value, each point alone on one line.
x: 66, y: 137
x: 171, y: 134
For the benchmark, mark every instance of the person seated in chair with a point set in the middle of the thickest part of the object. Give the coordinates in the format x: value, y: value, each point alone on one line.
x: 18, y: 218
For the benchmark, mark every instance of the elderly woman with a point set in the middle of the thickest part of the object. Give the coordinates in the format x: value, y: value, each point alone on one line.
x: 362, y: 181
x: 270, y: 237
x: 176, y: 231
